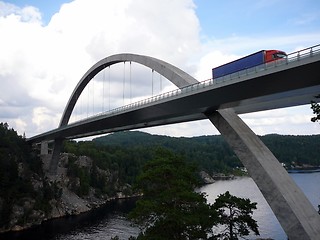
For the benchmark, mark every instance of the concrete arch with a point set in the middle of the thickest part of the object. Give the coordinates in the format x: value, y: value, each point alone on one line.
x: 172, y: 73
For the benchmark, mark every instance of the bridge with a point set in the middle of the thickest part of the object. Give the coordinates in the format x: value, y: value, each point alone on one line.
x: 289, y: 82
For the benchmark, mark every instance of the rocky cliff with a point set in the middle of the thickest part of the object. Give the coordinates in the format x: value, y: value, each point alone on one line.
x: 70, y: 192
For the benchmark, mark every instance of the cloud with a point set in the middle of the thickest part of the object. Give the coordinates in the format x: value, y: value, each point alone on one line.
x: 210, y: 60
x: 26, y: 14
x: 43, y: 117
x: 292, y: 121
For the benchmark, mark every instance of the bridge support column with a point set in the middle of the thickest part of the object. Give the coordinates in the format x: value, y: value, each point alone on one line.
x: 55, y: 157
x: 295, y: 213
x: 44, y: 149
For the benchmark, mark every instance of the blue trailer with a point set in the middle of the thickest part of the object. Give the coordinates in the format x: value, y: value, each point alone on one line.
x: 249, y: 61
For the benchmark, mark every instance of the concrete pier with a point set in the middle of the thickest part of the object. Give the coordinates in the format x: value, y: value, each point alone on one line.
x: 295, y: 213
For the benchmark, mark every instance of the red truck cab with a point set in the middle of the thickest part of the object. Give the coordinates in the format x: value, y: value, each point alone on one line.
x: 273, y: 55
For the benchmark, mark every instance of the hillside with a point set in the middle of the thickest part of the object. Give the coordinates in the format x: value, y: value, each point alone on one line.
x: 213, y: 153
x: 29, y: 196
x: 209, y: 153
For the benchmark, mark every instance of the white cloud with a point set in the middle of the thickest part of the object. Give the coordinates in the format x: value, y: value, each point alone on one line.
x: 291, y: 121
x: 26, y: 14
x: 20, y: 125
x: 211, y: 60
x: 43, y: 118
x: 188, y: 129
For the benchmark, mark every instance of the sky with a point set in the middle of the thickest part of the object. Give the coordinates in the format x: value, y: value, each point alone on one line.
x: 47, y: 46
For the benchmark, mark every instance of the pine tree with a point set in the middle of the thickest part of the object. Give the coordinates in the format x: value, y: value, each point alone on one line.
x: 235, y: 215
x: 170, y: 208
x: 316, y: 110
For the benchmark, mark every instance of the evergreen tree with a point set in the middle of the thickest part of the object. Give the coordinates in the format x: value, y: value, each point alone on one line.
x: 316, y: 110
x: 235, y: 215
x: 170, y: 208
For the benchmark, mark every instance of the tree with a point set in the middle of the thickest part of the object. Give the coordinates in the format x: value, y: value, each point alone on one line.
x: 316, y: 110
x: 170, y: 208
x: 235, y: 214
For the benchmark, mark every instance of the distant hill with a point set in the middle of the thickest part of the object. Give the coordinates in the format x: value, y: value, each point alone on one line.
x: 298, y: 149
x: 213, y: 153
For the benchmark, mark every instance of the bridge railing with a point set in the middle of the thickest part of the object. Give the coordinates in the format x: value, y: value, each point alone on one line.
x: 292, y: 57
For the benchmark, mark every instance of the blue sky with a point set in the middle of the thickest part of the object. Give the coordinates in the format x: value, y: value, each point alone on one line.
x: 258, y: 18
x: 46, y: 46
x: 47, y: 8
x: 223, y: 19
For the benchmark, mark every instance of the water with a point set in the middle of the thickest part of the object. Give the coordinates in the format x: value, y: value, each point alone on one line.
x: 269, y: 226
x: 245, y: 187
x: 110, y: 220
x: 101, y: 224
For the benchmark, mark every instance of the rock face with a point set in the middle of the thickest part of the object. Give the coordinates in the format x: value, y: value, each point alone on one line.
x: 62, y: 191
x: 206, y: 178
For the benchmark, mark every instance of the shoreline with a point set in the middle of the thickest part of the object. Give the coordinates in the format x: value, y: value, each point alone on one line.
x: 47, y: 221
x: 304, y: 170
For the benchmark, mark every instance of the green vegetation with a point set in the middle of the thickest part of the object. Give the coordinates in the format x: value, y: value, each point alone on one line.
x: 19, y: 166
x: 235, y: 215
x: 296, y: 150
x: 112, y: 166
x: 212, y: 153
x: 316, y: 110
x: 171, y: 209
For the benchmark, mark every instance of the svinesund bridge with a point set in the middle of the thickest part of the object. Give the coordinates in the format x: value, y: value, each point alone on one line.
x: 289, y: 82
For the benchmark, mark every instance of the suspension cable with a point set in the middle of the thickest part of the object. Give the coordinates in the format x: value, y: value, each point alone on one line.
x: 152, y: 82
x: 109, y: 89
x: 124, y: 81
x: 103, y: 80
x: 92, y: 96
x: 130, y: 85
x: 160, y: 83
x: 76, y: 108
x: 88, y: 100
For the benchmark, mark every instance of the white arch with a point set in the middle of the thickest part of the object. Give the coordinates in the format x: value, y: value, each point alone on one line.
x: 172, y: 73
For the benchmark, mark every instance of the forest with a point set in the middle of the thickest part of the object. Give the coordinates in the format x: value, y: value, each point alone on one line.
x: 19, y: 166
x: 212, y: 153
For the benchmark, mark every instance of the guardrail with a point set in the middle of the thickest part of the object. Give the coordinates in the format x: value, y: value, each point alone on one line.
x: 292, y: 57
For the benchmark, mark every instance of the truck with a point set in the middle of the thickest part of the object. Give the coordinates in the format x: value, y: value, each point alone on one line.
x: 252, y: 60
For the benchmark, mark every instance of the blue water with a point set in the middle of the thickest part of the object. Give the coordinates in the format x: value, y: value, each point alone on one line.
x: 110, y: 221
x: 245, y: 187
